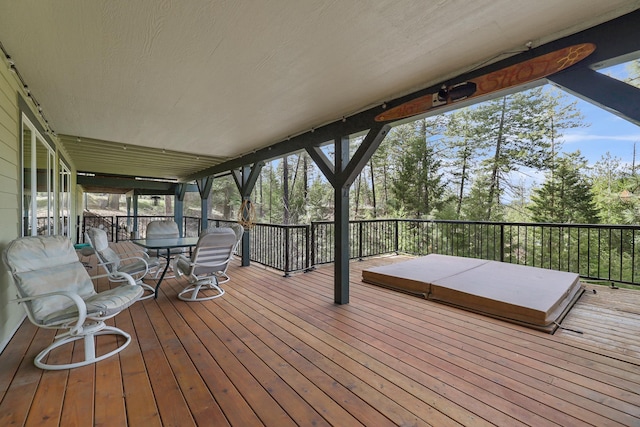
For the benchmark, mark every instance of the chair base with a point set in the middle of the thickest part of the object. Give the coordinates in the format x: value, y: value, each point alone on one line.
x: 91, y: 331
x: 222, y: 277
x: 190, y: 293
x: 146, y: 288
x: 159, y: 271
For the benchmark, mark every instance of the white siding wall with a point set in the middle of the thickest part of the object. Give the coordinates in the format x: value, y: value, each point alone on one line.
x: 11, y: 314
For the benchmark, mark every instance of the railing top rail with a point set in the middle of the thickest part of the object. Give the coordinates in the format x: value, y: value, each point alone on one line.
x: 495, y: 223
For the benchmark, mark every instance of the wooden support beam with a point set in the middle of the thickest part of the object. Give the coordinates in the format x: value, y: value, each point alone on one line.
x: 245, y: 180
x: 606, y: 92
x: 341, y: 224
x: 323, y: 162
x: 341, y: 175
x: 204, y: 189
x: 363, y: 154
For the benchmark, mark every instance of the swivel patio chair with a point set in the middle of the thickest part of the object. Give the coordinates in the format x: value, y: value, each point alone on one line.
x: 238, y: 230
x: 163, y: 230
x: 137, y: 264
x: 209, y: 261
x: 57, y: 293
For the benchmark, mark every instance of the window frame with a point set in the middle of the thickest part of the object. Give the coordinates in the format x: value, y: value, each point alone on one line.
x: 39, y: 145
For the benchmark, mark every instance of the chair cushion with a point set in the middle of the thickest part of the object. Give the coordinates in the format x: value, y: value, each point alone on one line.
x: 162, y: 230
x: 110, y: 259
x: 100, y: 242
x: 38, y: 252
x: 104, y: 304
x: 219, y: 230
x: 44, y: 264
x: 99, y: 238
x: 69, y: 277
x: 138, y: 267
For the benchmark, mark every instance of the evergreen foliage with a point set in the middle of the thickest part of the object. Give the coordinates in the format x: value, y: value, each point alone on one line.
x: 565, y: 197
x: 476, y: 163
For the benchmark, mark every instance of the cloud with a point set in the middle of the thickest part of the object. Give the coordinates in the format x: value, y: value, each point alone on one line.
x: 575, y: 138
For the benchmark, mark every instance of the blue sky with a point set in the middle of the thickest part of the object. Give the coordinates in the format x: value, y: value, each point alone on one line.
x: 607, y: 132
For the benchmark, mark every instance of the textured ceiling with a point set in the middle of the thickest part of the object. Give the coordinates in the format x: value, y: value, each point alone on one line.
x: 218, y: 79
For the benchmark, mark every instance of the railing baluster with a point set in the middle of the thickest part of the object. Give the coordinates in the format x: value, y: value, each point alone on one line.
x: 292, y: 248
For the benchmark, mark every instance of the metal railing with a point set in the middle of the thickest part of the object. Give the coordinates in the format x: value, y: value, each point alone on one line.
x: 596, y: 252
x: 122, y: 227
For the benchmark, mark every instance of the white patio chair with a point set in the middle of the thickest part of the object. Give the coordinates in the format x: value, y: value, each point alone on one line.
x: 209, y: 261
x: 57, y: 293
x: 137, y: 264
x: 165, y: 229
x: 238, y: 230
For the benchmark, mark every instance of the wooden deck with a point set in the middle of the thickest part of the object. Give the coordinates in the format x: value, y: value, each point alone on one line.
x: 277, y: 351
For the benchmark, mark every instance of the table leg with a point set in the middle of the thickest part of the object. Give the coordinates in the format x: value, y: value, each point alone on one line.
x: 166, y: 267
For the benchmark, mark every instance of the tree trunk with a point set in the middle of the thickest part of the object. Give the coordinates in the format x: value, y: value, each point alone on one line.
x: 261, y: 203
x: 466, y: 153
x: 227, y: 202
x: 285, y: 189
x: 113, y: 202
x: 168, y: 205
x: 385, y: 187
x: 373, y: 189
x: 358, y: 196
x: 305, y: 190
x: 270, y: 193
x: 493, y: 187
x: 462, y: 181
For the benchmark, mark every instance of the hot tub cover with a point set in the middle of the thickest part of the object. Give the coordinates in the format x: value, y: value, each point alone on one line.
x: 535, y: 297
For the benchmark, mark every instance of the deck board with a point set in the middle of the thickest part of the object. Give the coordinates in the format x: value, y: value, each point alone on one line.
x: 277, y: 351
x: 449, y: 351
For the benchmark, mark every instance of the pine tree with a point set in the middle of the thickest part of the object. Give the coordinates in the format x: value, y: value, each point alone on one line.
x: 524, y: 130
x: 418, y: 187
x: 566, y: 196
x: 608, y: 183
x: 464, y: 148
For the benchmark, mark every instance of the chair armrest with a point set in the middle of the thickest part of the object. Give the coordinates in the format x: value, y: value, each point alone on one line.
x: 121, y: 275
x: 117, y: 277
x: 182, y: 257
x: 143, y: 259
x: 174, y: 264
x: 141, y: 251
x: 78, y: 301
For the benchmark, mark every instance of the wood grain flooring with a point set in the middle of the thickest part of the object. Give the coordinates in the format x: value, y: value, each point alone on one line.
x: 277, y: 351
